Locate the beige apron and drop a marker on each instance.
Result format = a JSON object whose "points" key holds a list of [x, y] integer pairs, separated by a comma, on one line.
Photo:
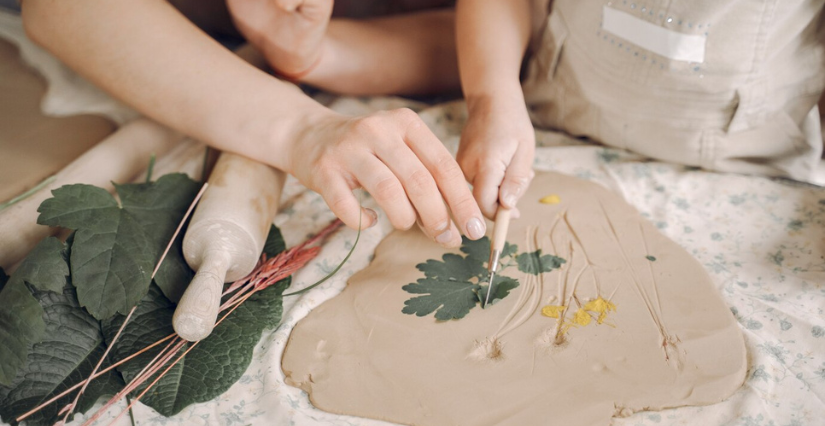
{"points": [[726, 85]]}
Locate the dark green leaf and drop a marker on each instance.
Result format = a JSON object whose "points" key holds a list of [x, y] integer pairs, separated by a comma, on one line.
{"points": [[212, 366], [535, 263], [477, 250], [21, 325], [76, 206], [448, 299], [274, 242], [450, 286], [71, 347], [115, 249], [160, 207], [174, 274], [45, 266], [111, 265], [509, 250], [650, 258], [501, 289], [452, 267], [21, 316]]}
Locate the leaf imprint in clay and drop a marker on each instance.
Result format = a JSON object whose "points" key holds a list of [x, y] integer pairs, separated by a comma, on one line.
{"points": [[591, 328]]}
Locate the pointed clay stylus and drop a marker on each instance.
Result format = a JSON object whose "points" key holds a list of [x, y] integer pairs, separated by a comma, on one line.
{"points": [[500, 227], [225, 237]]}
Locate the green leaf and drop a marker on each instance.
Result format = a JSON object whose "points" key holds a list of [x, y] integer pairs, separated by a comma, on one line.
{"points": [[448, 299], [535, 263], [45, 266], [21, 325], [452, 267], [509, 250], [650, 258], [274, 242], [75, 206], [71, 347], [21, 316], [477, 250], [116, 247], [502, 288], [450, 285], [212, 366], [161, 206]]}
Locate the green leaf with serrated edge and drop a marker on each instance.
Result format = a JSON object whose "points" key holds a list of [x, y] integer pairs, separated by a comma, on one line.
{"points": [[116, 248], [76, 206], [274, 242], [508, 250], [45, 266], [478, 250], [502, 288], [452, 267], [21, 317], [71, 347], [448, 299], [21, 325], [161, 206], [535, 263], [212, 366], [450, 285]]}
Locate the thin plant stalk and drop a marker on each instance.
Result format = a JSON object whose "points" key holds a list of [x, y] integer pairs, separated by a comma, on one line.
{"points": [[132, 311], [99, 373]]}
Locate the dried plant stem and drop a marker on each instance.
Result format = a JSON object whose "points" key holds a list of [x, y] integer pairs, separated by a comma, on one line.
{"points": [[267, 272], [129, 316], [97, 367], [100, 373]]}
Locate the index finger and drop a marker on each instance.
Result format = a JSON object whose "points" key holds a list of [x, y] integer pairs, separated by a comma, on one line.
{"points": [[448, 177]]}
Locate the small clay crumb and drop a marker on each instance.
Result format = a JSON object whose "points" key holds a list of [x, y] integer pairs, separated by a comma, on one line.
{"points": [[650, 258], [487, 349]]}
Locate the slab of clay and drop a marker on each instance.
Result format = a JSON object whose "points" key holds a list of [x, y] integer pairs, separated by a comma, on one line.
{"points": [[670, 342]]}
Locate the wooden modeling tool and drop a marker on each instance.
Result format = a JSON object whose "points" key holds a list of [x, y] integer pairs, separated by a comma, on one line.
{"points": [[226, 237], [500, 227]]}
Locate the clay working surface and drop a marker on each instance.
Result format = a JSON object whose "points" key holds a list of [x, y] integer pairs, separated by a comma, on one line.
{"points": [[629, 322]]}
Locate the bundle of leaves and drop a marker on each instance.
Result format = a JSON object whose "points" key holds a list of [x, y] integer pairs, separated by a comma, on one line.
{"points": [[455, 284], [60, 310]]}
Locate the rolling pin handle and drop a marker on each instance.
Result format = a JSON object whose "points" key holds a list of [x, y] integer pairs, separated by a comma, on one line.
{"points": [[197, 310]]}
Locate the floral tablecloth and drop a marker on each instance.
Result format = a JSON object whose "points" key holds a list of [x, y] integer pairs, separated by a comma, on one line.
{"points": [[762, 241]]}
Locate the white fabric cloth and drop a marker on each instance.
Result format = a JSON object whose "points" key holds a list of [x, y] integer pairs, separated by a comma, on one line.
{"points": [[68, 93]]}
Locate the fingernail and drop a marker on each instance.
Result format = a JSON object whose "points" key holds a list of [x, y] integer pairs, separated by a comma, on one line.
{"points": [[475, 228], [509, 200], [373, 217], [444, 237]]}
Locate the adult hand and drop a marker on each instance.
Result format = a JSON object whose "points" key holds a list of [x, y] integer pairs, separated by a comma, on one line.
{"points": [[397, 159], [496, 151], [288, 32]]}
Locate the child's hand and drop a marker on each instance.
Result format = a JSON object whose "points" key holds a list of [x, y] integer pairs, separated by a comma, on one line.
{"points": [[496, 151], [288, 32], [395, 157]]}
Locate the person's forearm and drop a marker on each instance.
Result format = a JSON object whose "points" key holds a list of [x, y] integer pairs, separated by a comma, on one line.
{"points": [[150, 56], [492, 36], [406, 54]]}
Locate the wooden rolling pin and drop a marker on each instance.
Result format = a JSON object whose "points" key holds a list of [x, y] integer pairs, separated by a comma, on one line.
{"points": [[225, 237]]}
